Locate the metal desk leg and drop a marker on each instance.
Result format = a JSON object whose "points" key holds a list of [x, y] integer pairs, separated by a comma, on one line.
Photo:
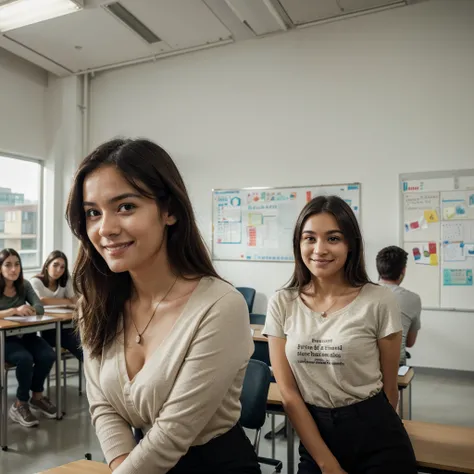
{"points": [[59, 414], [273, 437], [409, 401], [290, 447], [400, 403], [3, 394]]}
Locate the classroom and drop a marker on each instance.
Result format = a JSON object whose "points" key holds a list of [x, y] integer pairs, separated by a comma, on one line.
{"points": [[262, 105]]}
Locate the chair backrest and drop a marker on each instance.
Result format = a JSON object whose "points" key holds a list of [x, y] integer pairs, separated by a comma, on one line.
{"points": [[249, 295], [257, 318], [254, 395], [261, 352]]}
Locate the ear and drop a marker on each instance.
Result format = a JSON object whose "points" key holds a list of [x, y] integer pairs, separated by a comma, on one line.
{"points": [[169, 219]]}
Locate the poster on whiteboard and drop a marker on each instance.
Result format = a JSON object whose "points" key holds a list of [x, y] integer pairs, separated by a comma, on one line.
{"points": [[256, 224]]}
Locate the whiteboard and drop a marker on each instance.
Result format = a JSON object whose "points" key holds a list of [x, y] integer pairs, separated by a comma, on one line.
{"points": [[257, 224], [437, 231]]}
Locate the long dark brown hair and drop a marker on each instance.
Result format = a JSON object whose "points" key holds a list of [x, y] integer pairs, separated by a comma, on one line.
{"points": [[18, 284], [354, 269], [146, 166], [44, 275]]}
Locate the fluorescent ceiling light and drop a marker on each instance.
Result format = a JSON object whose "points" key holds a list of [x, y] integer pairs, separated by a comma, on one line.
{"points": [[18, 13]]}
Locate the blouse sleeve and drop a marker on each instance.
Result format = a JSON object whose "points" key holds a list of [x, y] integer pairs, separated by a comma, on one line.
{"points": [[32, 298], [389, 319]]}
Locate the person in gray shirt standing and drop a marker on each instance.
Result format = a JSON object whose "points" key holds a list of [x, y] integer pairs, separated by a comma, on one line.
{"points": [[391, 266]]}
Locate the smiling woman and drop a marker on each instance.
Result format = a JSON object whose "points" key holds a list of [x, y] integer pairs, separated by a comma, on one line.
{"points": [[156, 320], [350, 330]]}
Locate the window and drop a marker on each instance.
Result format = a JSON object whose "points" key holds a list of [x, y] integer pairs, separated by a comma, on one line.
{"points": [[20, 208]]}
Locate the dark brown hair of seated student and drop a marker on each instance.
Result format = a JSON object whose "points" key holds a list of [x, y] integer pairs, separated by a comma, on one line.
{"points": [[44, 275], [354, 269], [103, 293], [18, 284], [391, 261]]}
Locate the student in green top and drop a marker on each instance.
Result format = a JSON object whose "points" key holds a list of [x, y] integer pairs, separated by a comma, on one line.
{"points": [[31, 354]]}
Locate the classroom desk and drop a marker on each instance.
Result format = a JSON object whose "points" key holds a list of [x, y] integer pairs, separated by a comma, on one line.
{"points": [[12, 328], [257, 333], [442, 448], [80, 467]]}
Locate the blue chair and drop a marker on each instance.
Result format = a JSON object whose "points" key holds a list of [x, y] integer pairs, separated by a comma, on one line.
{"points": [[257, 318], [249, 295], [254, 405], [262, 354]]}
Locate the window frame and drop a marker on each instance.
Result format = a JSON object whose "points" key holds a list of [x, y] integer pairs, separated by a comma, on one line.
{"points": [[40, 224]]}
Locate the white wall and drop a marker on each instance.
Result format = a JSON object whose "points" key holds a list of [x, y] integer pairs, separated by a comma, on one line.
{"points": [[358, 100], [22, 107], [40, 118]]}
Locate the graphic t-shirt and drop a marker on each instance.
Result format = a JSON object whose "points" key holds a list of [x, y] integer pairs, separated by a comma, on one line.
{"points": [[335, 360]]}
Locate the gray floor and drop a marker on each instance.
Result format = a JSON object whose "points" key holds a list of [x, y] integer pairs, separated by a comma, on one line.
{"points": [[438, 397]]}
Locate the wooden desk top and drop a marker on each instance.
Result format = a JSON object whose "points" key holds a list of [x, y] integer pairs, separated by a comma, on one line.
{"points": [[257, 334], [404, 381], [6, 324], [80, 467], [442, 446]]}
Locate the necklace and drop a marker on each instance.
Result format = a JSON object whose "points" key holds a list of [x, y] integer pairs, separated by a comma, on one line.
{"points": [[138, 339], [324, 314]]}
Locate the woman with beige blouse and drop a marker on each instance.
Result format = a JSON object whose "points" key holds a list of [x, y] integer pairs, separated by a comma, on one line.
{"points": [[166, 341]]}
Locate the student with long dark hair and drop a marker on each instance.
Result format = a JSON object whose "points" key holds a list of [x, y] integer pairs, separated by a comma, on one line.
{"points": [[54, 287], [166, 340], [334, 346], [32, 356]]}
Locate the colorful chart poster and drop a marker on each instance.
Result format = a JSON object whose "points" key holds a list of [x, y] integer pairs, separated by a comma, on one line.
{"points": [[457, 277]]}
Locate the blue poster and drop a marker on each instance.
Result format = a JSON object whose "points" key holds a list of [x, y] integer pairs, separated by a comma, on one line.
{"points": [[457, 277]]}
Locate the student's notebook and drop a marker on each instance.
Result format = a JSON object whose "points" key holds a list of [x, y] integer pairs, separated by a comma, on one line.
{"points": [[402, 370]]}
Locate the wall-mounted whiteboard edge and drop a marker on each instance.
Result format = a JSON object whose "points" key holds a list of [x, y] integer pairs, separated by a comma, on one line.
{"points": [[455, 310], [214, 190]]}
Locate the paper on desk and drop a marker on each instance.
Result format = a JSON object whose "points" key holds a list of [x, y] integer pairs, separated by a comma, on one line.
{"points": [[28, 319], [403, 370]]}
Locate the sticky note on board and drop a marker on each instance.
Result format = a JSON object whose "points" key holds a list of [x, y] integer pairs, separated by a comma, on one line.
{"points": [[416, 253], [431, 216], [449, 212], [433, 259], [432, 248], [414, 225]]}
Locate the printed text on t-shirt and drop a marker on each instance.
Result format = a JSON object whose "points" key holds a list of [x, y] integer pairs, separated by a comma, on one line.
{"points": [[320, 351]]}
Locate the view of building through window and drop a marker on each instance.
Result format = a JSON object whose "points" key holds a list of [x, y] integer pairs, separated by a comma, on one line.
{"points": [[20, 188]]}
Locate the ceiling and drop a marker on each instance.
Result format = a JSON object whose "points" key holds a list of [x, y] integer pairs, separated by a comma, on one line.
{"points": [[95, 39]]}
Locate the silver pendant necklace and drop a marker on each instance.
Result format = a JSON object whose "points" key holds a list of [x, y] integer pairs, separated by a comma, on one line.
{"points": [[138, 338]]}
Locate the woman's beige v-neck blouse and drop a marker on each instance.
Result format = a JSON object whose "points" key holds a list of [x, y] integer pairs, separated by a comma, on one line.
{"points": [[187, 392]]}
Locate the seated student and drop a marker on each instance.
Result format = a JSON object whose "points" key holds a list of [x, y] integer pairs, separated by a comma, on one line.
{"points": [[334, 342], [166, 340], [391, 266], [54, 286], [32, 356]]}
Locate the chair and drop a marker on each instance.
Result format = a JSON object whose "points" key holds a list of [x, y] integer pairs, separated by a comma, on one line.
{"points": [[257, 318], [65, 356], [254, 405], [249, 295], [262, 354]]}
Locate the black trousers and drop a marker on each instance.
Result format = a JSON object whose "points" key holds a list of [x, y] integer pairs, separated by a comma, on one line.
{"points": [[230, 453], [366, 438]]}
